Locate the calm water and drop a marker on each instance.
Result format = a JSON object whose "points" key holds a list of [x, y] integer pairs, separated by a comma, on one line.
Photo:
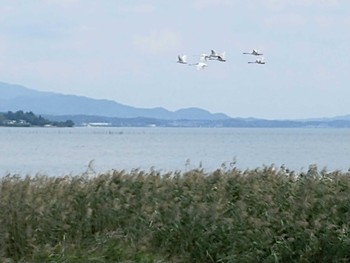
{"points": [[60, 151]]}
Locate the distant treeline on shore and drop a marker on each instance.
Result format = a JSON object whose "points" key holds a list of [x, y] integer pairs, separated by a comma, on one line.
{"points": [[27, 119], [86, 120]]}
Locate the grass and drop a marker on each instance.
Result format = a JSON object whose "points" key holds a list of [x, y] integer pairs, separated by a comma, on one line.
{"points": [[229, 215]]}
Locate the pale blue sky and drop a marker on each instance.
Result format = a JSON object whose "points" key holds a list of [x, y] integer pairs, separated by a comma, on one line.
{"points": [[127, 50]]}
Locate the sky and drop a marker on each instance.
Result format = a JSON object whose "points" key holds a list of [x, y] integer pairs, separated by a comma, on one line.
{"points": [[126, 51]]}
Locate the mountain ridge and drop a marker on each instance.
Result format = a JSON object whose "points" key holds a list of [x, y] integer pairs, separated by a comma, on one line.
{"points": [[84, 110], [15, 97]]}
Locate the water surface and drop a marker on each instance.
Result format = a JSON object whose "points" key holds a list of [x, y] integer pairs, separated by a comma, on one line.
{"points": [[60, 151]]}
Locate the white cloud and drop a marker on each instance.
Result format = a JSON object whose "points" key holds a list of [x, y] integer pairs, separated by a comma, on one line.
{"points": [[137, 9], [62, 3], [282, 4], [4, 47], [285, 20], [329, 22], [202, 4], [157, 41]]}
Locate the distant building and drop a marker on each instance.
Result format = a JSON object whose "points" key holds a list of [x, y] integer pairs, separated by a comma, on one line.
{"points": [[97, 124]]}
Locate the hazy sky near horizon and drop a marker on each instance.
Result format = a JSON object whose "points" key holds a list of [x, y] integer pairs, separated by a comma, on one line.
{"points": [[126, 51]]}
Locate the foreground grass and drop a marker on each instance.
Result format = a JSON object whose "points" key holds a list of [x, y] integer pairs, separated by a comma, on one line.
{"points": [[261, 215]]}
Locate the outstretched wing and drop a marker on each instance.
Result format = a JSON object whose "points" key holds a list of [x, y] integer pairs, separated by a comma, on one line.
{"points": [[213, 53], [204, 57], [222, 57], [182, 59], [201, 66]]}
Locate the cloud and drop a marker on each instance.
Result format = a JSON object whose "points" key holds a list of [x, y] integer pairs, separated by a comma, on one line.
{"points": [[137, 9], [282, 4], [203, 4], [157, 41], [332, 22], [4, 47], [62, 3], [285, 20]]}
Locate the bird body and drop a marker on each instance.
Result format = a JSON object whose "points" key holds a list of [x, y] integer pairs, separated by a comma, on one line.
{"points": [[254, 53], [258, 61]]}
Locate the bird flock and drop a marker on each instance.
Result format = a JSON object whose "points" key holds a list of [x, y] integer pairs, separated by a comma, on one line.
{"points": [[221, 57]]}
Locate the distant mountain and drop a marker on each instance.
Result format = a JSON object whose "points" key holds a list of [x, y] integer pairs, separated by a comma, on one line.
{"points": [[16, 97], [87, 111]]}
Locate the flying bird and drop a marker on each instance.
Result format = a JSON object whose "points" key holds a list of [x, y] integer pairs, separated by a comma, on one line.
{"points": [[216, 56], [182, 59], [258, 61], [202, 62], [254, 53], [201, 65]]}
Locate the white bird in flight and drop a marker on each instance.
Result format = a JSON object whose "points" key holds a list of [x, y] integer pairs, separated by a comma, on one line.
{"points": [[216, 56], [201, 64], [182, 59], [258, 61], [254, 53]]}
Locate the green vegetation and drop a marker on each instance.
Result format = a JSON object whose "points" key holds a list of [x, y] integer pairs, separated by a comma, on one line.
{"points": [[26, 119], [261, 215]]}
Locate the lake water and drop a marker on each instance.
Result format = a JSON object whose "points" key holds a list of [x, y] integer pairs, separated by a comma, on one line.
{"points": [[62, 151]]}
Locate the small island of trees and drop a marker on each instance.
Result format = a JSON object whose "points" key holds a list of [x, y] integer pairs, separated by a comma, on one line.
{"points": [[29, 119]]}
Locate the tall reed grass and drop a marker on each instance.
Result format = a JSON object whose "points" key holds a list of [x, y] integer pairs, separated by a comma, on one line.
{"points": [[229, 215]]}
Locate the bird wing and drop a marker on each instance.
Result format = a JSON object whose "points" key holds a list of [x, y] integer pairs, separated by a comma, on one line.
{"points": [[201, 65], [223, 56], [214, 53]]}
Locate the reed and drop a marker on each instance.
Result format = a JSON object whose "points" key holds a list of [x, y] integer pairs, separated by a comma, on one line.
{"points": [[267, 214]]}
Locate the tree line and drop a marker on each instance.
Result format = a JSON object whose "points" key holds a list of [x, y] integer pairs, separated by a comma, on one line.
{"points": [[27, 119]]}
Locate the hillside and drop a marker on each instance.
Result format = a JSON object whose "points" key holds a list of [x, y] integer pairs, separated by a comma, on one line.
{"points": [[16, 97], [85, 111]]}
